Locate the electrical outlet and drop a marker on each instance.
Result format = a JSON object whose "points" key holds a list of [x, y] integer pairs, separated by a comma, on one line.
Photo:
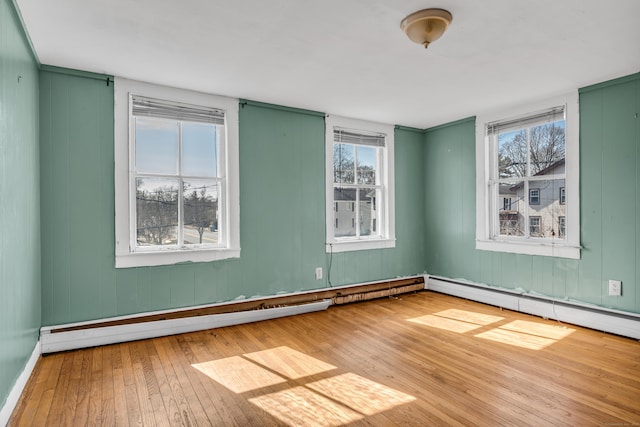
{"points": [[615, 288], [318, 273]]}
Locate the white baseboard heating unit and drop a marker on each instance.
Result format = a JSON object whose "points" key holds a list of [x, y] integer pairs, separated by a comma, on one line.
{"points": [[190, 319], [587, 315], [53, 341]]}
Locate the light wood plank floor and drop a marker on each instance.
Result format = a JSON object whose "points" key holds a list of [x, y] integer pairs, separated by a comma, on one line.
{"points": [[421, 359]]}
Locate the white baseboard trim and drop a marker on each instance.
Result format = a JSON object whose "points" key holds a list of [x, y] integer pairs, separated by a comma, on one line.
{"points": [[90, 337], [590, 316], [18, 387]]}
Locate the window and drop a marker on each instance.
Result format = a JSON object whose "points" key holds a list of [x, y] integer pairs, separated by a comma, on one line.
{"points": [[534, 226], [529, 154], [176, 156], [360, 174], [562, 226]]}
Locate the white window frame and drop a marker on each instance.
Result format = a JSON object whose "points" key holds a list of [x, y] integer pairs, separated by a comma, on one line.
{"points": [[126, 254], [563, 248], [387, 237]]}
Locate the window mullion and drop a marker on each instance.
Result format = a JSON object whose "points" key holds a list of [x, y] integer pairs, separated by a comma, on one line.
{"points": [[355, 164], [526, 198], [180, 189], [381, 213], [357, 188], [357, 212], [528, 156]]}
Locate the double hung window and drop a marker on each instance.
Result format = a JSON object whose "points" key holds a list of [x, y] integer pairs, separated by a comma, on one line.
{"points": [[530, 157], [178, 199], [359, 185]]}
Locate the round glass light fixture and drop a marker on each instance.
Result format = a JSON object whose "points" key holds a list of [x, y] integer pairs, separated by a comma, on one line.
{"points": [[426, 26]]}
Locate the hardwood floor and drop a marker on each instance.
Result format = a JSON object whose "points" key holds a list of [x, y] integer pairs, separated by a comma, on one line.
{"points": [[421, 359]]}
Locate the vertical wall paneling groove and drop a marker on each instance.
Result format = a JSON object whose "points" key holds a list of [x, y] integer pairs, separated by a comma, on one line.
{"points": [[609, 197], [637, 144], [19, 200]]}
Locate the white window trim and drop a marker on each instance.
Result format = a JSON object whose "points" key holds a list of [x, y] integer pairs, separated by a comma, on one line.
{"points": [[566, 248], [125, 257], [388, 232]]}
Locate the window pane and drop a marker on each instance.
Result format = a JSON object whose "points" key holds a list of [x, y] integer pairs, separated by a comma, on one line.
{"points": [[343, 167], [344, 217], [156, 211], [511, 208], [199, 149], [369, 212], [562, 227], [156, 146], [201, 211], [367, 161], [512, 154], [549, 208], [535, 226], [547, 147]]}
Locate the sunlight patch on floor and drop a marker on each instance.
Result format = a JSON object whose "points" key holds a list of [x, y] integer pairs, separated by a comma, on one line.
{"points": [[454, 320], [524, 334], [333, 401], [361, 394], [520, 333], [289, 362], [238, 374], [299, 406], [555, 332]]}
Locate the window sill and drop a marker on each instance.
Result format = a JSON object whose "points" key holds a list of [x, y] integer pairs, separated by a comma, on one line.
{"points": [[149, 259], [359, 245], [559, 250]]}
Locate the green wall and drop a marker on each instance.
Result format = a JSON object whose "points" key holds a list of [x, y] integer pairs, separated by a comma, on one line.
{"points": [[609, 207], [281, 212], [19, 198]]}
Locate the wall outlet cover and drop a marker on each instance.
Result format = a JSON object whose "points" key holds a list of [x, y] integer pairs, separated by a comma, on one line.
{"points": [[615, 288]]}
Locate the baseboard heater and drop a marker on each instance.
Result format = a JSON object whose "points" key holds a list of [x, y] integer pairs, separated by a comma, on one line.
{"points": [[587, 315], [171, 322]]}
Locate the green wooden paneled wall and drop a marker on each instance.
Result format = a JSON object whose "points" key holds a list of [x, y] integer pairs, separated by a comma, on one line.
{"points": [[609, 207], [19, 199], [281, 212]]}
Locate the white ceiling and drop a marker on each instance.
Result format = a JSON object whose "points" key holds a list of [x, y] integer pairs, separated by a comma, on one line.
{"points": [[346, 57]]}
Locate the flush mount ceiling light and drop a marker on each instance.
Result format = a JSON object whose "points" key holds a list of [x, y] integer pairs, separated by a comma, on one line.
{"points": [[426, 26]]}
